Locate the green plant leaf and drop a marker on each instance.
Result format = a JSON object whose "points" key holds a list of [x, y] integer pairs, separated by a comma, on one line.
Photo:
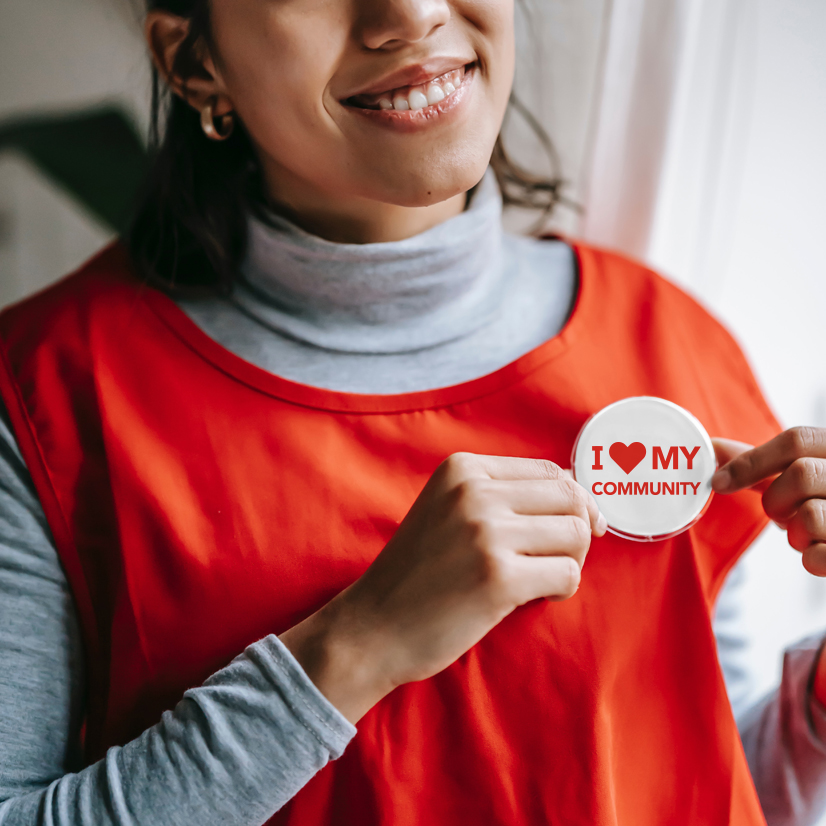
{"points": [[95, 155]]}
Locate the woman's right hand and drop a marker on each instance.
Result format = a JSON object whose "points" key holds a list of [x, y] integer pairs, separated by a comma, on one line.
{"points": [[485, 535]]}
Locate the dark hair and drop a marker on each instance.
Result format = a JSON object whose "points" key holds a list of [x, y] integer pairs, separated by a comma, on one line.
{"points": [[188, 232]]}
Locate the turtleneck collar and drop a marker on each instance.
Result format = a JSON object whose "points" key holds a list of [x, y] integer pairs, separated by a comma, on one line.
{"points": [[391, 297]]}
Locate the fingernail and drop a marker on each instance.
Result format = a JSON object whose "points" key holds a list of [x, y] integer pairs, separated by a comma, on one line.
{"points": [[721, 481], [602, 523]]}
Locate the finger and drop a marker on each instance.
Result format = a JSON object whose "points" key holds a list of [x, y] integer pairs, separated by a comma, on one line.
{"points": [[727, 449], [518, 467], [808, 525], [475, 465], [549, 536], [552, 577], [814, 559], [753, 466], [803, 479], [536, 497]]}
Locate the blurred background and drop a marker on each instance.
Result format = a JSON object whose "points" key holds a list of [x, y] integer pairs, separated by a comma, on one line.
{"points": [[692, 134]]}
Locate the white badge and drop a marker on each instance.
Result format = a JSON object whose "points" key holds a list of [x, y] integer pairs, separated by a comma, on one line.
{"points": [[648, 464]]}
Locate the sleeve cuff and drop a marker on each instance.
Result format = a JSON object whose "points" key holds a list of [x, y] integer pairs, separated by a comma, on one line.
{"points": [[313, 710]]}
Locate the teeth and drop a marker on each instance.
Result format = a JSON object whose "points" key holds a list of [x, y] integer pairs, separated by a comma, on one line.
{"points": [[434, 94], [417, 97]]}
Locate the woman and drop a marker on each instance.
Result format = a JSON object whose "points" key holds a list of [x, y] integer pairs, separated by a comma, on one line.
{"points": [[324, 485]]}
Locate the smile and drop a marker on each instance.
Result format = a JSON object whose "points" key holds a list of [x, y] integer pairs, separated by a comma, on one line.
{"points": [[416, 103]]}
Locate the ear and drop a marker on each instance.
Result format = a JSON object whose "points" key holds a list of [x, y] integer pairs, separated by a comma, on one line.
{"points": [[195, 78]]}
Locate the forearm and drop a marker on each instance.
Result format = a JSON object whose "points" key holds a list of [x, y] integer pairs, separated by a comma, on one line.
{"points": [[231, 753]]}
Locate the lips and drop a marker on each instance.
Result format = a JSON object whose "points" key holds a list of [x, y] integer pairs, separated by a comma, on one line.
{"points": [[418, 74], [406, 98]]}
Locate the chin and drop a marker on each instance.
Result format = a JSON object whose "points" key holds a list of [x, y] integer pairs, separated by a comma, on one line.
{"points": [[415, 188]]}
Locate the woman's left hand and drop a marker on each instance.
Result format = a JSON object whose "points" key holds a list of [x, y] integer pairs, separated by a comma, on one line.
{"points": [[790, 469]]}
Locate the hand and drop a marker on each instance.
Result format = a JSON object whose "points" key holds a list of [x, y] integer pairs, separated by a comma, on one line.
{"points": [[486, 534], [790, 469]]}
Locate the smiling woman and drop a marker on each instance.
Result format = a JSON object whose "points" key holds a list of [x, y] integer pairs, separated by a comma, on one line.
{"points": [[309, 145], [292, 459]]}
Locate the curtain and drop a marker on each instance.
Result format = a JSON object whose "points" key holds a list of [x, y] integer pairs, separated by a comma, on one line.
{"points": [[662, 177]]}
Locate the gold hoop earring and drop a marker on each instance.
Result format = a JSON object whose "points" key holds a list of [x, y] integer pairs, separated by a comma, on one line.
{"points": [[208, 124]]}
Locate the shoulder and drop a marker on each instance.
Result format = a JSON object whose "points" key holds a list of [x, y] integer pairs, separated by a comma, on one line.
{"points": [[654, 310], [678, 338], [70, 306], [650, 298]]}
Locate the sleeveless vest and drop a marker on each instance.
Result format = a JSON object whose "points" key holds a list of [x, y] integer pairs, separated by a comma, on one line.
{"points": [[199, 503]]}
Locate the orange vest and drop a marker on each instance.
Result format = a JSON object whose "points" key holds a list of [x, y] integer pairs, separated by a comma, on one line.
{"points": [[199, 503]]}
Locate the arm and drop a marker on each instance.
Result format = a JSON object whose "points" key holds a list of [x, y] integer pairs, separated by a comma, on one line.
{"points": [[232, 751], [784, 732]]}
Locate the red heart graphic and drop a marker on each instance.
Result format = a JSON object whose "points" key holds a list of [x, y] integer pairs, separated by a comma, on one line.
{"points": [[627, 456]]}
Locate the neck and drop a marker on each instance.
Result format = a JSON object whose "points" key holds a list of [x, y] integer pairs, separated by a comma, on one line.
{"points": [[352, 220], [383, 297]]}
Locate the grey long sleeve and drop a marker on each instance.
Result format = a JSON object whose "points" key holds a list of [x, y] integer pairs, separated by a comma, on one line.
{"points": [[232, 751]]}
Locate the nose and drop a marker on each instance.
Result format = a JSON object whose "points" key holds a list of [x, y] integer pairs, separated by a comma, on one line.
{"points": [[387, 24]]}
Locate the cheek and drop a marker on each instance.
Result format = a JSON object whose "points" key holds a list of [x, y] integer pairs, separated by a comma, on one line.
{"points": [[276, 65], [493, 20]]}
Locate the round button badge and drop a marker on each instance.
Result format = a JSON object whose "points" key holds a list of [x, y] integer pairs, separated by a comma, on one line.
{"points": [[648, 463]]}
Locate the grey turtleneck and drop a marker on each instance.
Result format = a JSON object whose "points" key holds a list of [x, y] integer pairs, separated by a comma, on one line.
{"points": [[448, 305]]}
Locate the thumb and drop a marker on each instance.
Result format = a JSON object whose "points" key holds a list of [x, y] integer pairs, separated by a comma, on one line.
{"points": [[727, 449]]}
